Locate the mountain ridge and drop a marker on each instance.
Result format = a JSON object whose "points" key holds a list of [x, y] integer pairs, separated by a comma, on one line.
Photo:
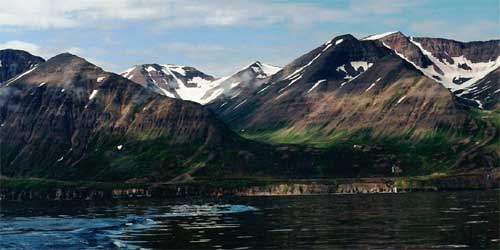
{"points": [[347, 107], [457, 65]]}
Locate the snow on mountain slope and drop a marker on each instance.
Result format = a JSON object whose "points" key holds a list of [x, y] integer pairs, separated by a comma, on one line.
{"points": [[248, 78], [188, 83], [378, 36], [459, 66], [174, 81], [14, 62], [342, 86], [461, 73]]}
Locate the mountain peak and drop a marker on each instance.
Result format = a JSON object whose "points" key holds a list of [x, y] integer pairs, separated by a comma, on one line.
{"points": [[18, 51], [341, 38], [14, 62], [66, 60], [346, 36], [65, 71]]}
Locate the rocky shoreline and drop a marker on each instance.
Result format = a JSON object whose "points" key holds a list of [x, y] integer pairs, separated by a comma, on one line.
{"points": [[469, 181]]}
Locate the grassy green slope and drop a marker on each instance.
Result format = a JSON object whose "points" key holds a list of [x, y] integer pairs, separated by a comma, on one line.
{"points": [[437, 151]]}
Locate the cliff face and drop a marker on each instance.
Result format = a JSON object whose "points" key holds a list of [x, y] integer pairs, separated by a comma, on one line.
{"points": [[15, 62], [478, 180], [445, 49]]}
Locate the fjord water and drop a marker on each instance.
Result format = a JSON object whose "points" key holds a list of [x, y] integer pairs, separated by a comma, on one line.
{"points": [[468, 220]]}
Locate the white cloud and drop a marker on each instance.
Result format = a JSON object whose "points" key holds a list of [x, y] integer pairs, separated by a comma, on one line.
{"points": [[48, 52], [35, 49], [176, 13], [21, 45]]}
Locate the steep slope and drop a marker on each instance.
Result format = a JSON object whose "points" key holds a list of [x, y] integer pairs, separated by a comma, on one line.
{"points": [[68, 119], [14, 62], [240, 83], [344, 84], [458, 66], [359, 96], [174, 81], [485, 92], [188, 83]]}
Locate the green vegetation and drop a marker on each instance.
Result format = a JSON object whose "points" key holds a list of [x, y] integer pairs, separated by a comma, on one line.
{"points": [[135, 159], [47, 184], [423, 154]]}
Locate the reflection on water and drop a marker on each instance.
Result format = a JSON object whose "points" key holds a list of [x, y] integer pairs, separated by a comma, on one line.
{"points": [[412, 220]]}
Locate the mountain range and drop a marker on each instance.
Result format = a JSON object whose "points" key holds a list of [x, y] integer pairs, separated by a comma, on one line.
{"points": [[350, 107]]}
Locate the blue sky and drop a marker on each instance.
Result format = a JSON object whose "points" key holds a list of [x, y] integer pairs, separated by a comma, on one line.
{"points": [[219, 37]]}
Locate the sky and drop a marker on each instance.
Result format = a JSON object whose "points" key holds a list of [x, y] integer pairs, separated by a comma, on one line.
{"points": [[219, 37]]}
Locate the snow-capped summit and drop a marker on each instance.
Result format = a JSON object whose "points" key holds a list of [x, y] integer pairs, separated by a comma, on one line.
{"points": [[263, 70], [246, 79], [188, 83], [174, 81]]}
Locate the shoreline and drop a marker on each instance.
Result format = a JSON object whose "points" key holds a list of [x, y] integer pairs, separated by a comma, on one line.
{"points": [[483, 180]]}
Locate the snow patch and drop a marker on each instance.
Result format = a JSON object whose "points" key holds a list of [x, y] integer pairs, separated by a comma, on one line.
{"points": [[99, 79], [234, 84], [262, 90], [127, 72], [269, 69], [339, 41], [400, 100], [342, 68], [41, 84], [452, 71], [19, 76], [296, 72], [378, 36], [327, 47], [316, 85], [361, 64], [177, 69], [373, 84], [356, 65], [150, 69], [239, 104], [93, 94]]}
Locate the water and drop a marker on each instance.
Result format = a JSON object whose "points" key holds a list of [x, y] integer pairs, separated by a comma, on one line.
{"points": [[468, 220]]}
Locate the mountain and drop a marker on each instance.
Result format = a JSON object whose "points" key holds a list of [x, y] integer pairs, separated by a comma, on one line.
{"points": [[347, 108], [68, 119], [244, 80], [14, 62], [188, 83], [360, 94], [344, 84], [174, 81], [466, 68]]}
